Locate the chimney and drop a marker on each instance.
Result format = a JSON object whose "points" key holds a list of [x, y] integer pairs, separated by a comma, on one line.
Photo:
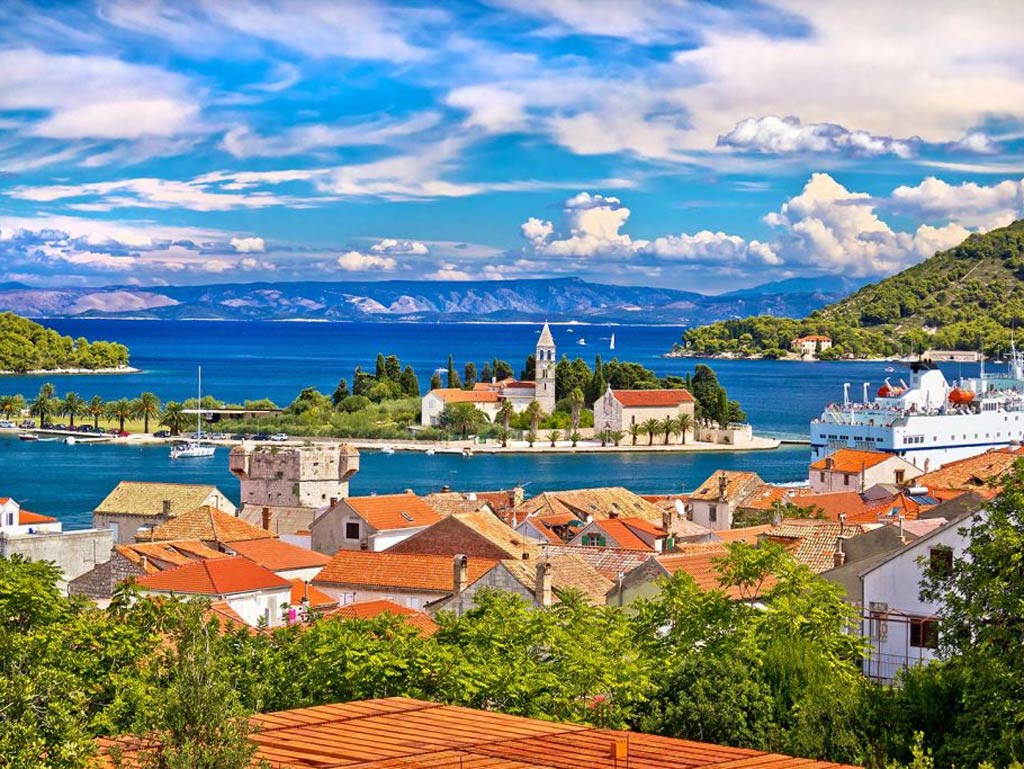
{"points": [[167, 508], [722, 483], [460, 574], [903, 539], [543, 587], [305, 593], [830, 463], [842, 523], [839, 557], [518, 496], [666, 521], [266, 518], [334, 501], [144, 563]]}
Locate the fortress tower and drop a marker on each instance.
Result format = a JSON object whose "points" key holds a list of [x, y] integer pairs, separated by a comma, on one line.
{"points": [[545, 370]]}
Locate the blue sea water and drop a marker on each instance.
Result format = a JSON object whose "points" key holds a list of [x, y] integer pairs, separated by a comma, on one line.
{"points": [[246, 360]]}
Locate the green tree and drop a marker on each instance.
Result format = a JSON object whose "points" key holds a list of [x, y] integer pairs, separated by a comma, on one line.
{"points": [[462, 418], [435, 381], [505, 413], [409, 383], [122, 409], [97, 407], [71, 405], [534, 412], [11, 406], [575, 437], [616, 436], [453, 377], [576, 401], [42, 408], [684, 424], [380, 369], [147, 407], [635, 431], [669, 426], [470, 375], [651, 427], [596, 386], [340, 392], [173, 418], [554, 436]]}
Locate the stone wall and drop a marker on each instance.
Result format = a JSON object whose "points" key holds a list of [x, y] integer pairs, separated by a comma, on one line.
{"points": [[74, 552], [98, 583]]}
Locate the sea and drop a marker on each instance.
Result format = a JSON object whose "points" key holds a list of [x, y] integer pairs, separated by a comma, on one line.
{"points": [[250, 359]]}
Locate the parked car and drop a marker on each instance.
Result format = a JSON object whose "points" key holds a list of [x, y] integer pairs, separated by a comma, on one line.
{"points": [[279, 437], [162, 434], [261, 437], [27, 424], [239, 437], [6, 424]]}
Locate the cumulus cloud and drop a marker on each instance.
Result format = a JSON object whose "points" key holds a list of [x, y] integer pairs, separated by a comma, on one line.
{"points": [[968, 203], [448, 271], [834, 230], [777, 135], [404, 247], [714, 248], [490, 107], [248, 245], [356, 261]]}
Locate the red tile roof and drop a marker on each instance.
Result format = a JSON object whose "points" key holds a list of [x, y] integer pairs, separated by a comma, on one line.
{"points": [[702, 565], [851, 460], [434, 573], [402, 733], [276, 555], [394, 511], [208, 524], [748, 534], [221, 576], [652, 398], [371, 609], [623, 535], [318, 599], [453, 395], [25, 518]]}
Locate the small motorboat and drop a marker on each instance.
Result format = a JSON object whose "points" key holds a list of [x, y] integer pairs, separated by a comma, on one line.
{"points": [[431, 452], [889, 369], [70, 440], [467, 451], [581, 341], [28, 437], [387, 449]]}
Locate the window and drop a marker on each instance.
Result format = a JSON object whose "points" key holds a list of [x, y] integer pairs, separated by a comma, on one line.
{"points": [[351, 529], [878, 627], [940, 561], [846, 479], [712, 513], [924, 633], [592, 539], [821, 477]]}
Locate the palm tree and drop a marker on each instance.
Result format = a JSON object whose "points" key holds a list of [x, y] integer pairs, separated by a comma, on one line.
{"points": [[11, 405], [148, 405], [531, 437], [575, 437], [603, 436], [668, 426], [684, 423], [48, 390], [503, 436], [553, 436], [120, 410], [174, 417], [505, 412], [96, 409], [461, 417], [616, 436], [576, 402], [534, 411], [72, 406], [635, 431], [41, 407], [651, 427]]}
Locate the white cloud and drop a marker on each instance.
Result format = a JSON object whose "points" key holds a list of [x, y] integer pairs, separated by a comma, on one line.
{"points": [[392, 246], [777, 135], [490, 107], [355, 261], [711, 248], [834, 230], [248, 245], [644, 21], [969, 203], [447, 271]]}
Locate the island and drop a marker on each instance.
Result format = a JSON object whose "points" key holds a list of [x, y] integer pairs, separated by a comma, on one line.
{"points": [[27, 347]]}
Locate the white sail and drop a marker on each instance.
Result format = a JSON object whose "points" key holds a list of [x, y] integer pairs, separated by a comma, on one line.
{"points": [[611, 345]]}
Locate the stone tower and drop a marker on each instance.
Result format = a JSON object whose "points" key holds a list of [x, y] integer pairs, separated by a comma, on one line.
{"points": [[545, 370], [284, 486]]}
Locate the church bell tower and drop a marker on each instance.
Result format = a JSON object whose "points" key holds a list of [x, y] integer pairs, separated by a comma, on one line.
{"points": [[545, 370]]}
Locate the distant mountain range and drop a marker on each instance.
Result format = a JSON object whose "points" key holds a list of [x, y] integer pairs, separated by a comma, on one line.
{"points": [[556, 299]]}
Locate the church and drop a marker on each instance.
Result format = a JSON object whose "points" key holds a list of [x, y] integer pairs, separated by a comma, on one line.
{"points": [[488, 396]]}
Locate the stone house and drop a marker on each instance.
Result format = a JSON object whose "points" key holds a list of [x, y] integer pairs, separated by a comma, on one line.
{"points": [[811, 345], [856, 470], [715, 502], [371, 523], [628, 533], [285, 560], [133, 505], [206, 524], [477, 535], [284, 487], [619, 409]]}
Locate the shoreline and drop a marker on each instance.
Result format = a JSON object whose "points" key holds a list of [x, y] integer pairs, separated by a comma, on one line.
{"points": [[786, 359], [74, 371]]}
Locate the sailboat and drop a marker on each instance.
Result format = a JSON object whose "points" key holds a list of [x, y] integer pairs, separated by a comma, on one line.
{"points": [[195, 448], [611, 344]]}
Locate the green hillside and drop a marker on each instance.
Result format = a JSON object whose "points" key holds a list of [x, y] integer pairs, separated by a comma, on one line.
{"points": [[967, 298], [27, 346]]}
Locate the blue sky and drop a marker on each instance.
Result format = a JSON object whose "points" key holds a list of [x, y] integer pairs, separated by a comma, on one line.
{"points": [[703, 146]]}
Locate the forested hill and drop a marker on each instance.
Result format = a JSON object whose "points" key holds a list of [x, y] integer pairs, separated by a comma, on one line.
{"points": [[967, 298], [27, 346]]}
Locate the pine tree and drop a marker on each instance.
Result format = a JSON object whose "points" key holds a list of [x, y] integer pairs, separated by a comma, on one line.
{"points": [[435, 381], [470, 372], [453, 377], [410, 384], [340, 392], [380, 371]]}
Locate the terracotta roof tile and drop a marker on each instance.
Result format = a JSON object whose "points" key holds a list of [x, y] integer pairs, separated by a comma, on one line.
{"points": [[852, 460], [812, 542], [738, 485], [972, 473], [568, 572], [453, 395], [221, 576], [451, 502], [25, 518], [318, 599], [748, 534], [652, 398], [702, 566], [623, 534], [401, 733], [227, 619], [397, 570], [600, 502], [371, 609], [147, 498], [162, 555], [276, 555], [394, 511], [608, 561], [208, 524]]}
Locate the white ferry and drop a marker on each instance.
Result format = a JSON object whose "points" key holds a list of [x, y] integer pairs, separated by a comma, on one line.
{"points": [[928, 421]]}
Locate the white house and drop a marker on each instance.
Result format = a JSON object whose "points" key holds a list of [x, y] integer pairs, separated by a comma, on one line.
{"points": [[618, 409], [856, 470], [371, 523], [14, 521], [433, 403], [809, 346], [902, 627], [715, 502]]}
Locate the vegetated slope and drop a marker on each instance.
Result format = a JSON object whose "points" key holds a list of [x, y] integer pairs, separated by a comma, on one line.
{"points": [[969, 297], [560, 299], [27, 346]]}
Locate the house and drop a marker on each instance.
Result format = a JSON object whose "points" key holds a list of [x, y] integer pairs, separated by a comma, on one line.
{"points": [[856, 470], [412, 580], [283, 488], [715, 502], [402, 732], [477, 535], [284, 559], [557, 528], [254, 593], [610, 562], [135, 504], [817, 544], [206, 524], [809, 346], [603, 502], [434, 402], [629, 533], [371, 523], [367, 610], [449, 503], [38, 537], [700, 562], [542, 582], [980, 473], [901, 627], [619, 409]]}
